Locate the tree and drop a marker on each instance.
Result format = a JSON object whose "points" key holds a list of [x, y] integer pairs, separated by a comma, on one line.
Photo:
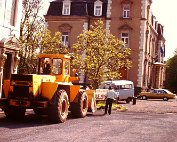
{"points": [[100, 55], [171, 74], [35, 37]]}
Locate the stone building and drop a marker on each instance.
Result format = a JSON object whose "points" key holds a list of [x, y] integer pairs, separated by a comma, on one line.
{"points": [[10, 14], [130, 20]]}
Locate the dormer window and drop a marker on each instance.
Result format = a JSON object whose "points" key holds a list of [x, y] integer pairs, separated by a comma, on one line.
{"points": [[98, 8], [66, 7], [126, 9]]}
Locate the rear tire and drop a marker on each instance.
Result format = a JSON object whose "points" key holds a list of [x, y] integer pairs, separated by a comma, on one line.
{"points": [[58, 111], [79, 110]]}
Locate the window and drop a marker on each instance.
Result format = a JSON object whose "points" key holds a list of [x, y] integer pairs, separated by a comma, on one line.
{"points": [[125, 38], [66, 67], [66, 7], [65, 29], [57, 66], [98, 8], [126, 11], [65, 38], [46, 66], [97, 11]]}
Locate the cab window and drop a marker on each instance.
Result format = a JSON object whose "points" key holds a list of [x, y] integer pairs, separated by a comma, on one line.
{"points": [[66, 67], [57, 66]]}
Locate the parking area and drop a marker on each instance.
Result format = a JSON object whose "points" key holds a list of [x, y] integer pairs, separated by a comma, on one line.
{"points": [[152, 106]]}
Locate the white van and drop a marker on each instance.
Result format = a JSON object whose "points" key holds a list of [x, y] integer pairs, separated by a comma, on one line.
{"points": [[124, 88]]}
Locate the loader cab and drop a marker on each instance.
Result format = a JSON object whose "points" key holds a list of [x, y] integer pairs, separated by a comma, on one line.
{"points": [[54, 64]]}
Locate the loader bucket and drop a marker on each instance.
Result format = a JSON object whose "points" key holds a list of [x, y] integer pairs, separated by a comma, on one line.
{"points": [[91, 100]]}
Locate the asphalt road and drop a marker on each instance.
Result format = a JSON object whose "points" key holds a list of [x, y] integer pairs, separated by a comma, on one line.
{"points": [[147, 121]]}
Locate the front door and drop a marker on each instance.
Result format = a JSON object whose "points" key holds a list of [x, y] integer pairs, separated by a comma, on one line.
{"points": [[7, 67]]}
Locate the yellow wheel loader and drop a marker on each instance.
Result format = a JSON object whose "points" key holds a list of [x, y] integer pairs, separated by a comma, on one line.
{"points": [[49, 92]]}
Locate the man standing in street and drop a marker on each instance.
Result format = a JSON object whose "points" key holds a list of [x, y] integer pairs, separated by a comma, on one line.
{"points": [[111, 95]]}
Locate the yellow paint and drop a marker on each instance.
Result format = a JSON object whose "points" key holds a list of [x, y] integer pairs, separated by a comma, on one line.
{"points": [[90, 94], [48, 89], [37, 81], [71, 79], [74, 91], [36, 85], [59, 78]]}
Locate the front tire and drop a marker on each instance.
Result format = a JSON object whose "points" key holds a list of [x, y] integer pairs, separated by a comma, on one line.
{"points": [[58, 111]]}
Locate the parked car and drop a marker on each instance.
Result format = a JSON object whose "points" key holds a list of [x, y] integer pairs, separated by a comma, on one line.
{"points": [[157, 94]]}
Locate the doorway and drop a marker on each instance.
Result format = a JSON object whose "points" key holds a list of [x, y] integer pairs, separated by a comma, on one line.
{"points": [[7, 67]]}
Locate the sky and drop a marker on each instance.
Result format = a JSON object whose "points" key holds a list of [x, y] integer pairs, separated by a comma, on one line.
{"points": [[165, 12]]}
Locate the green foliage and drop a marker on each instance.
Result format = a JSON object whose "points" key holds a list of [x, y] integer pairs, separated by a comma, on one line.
{"points": [[171, 74], [100, 55], [48, 43]]}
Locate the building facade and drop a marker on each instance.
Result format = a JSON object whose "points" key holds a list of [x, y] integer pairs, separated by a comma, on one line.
{"points": [[10, 15], [129, 20]]}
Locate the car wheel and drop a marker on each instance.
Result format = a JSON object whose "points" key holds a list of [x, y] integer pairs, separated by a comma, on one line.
{"points": [[144, 98], [128, 100], [165, 99]]}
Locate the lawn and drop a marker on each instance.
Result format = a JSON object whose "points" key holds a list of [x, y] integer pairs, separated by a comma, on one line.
{"points": [[115, 106]]}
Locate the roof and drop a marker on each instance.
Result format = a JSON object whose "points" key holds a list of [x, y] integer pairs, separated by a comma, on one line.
{"points": [[78, 8]]}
